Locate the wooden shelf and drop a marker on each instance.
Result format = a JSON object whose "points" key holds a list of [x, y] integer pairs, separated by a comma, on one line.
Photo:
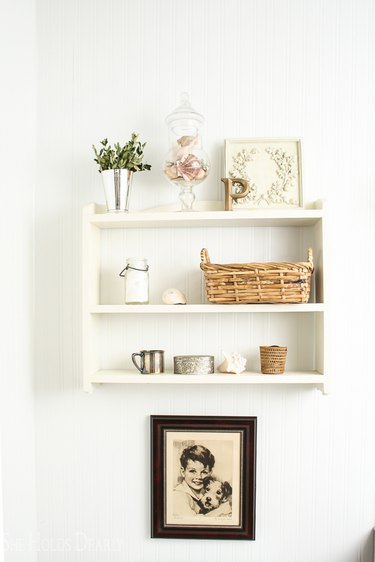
{"points": [[97, 216], [129, 377], [203, 308], [307, 332]]}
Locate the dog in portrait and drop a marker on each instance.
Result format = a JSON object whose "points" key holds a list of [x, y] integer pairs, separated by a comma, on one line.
{"points": [[215, 493]]}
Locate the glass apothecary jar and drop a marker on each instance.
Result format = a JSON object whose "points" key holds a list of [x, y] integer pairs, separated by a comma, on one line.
{"points": [[136, 281], [187, 164]]}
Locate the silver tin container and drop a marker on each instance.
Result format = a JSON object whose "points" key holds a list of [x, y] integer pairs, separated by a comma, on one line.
{"points": [[193, 364]]}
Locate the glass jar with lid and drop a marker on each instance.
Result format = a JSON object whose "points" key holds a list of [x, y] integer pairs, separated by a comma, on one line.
{"points": [[136, 281], [186, 164]]}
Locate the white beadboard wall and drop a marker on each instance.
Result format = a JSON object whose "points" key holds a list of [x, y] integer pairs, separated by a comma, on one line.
{"points": [[17, 184], [254, 68]]}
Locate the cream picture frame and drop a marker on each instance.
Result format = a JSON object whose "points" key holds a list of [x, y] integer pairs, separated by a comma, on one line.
{"points": [[271, 166]]}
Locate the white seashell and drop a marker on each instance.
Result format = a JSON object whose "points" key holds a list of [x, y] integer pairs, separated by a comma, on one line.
{"points": [[173, 296], [233, 363]]}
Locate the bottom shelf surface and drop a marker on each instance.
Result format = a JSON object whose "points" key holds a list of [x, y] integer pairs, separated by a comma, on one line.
{"points": [[129, 377]]}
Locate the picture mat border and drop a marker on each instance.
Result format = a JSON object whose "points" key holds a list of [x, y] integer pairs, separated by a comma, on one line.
{"points": [[236, 438]]}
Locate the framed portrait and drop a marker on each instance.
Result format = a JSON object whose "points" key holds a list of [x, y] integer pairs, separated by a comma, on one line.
{"points": [[203, 473], [272, 169]]}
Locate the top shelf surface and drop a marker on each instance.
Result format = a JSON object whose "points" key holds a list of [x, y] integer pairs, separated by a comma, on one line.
{"points": [[97, 216]]}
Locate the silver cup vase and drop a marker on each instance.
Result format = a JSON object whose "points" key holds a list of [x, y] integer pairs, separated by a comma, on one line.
{"points": [[117, 188]]}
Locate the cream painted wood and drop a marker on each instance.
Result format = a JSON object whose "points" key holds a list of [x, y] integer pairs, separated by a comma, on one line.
{"points": [[205, 308], [108, 343], [170, 218], [90, 291], [128, 377]]}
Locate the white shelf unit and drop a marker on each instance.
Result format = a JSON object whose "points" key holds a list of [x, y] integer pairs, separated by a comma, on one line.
{"points": [[112, 331]]}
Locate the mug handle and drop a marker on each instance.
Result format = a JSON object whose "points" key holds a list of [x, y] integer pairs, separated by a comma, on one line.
{"points": [[142, 356]]}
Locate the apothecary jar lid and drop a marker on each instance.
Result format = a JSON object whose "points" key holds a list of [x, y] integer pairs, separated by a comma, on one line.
{"points": [[184, 113]]}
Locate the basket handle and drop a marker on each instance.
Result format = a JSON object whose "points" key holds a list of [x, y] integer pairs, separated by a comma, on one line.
{"points": [[310, 257], [205, 258]]}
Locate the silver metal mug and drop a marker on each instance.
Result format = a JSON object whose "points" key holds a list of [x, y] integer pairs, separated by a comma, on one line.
{"points": [[151, 361]]}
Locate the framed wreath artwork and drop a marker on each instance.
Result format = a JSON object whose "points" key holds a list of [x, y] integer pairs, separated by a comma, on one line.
{"points": [[203, 472], [272, 169]]}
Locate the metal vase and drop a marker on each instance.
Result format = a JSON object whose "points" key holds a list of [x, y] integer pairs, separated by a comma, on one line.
{"points": [[117, 188]]}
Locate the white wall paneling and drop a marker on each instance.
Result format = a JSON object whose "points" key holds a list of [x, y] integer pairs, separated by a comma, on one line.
{"points": [[17, 148], [254, 68]]}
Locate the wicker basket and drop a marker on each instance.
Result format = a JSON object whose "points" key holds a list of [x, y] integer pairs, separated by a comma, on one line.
{"points": [[272, 359], [243, 283]]}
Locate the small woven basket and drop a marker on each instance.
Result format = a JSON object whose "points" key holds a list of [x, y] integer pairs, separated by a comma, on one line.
{"points": [[272, 359], [245, 283]]}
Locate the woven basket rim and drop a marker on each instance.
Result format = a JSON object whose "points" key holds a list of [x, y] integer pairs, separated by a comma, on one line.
{"points": [[273, 348], [207, 264]]}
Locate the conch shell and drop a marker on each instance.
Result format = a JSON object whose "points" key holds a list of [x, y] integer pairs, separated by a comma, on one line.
{"points": [[233, 363]]}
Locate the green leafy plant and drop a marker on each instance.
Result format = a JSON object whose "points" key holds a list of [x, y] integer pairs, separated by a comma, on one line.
{"points": [[127, 157]]}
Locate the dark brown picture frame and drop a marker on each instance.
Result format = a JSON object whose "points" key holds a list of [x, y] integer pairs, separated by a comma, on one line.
{"points": [[170, 432]]}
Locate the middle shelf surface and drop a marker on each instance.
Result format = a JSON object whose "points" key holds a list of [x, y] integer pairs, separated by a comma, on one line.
{"points": [[202, 308]]}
